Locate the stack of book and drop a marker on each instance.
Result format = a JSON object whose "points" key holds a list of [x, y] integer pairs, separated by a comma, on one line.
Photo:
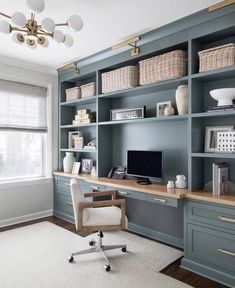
{"points": [[220, 178], [83, 116], [221, 108]]}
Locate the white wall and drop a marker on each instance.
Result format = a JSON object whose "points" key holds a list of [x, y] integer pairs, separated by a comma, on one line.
{"points": [[23, 201]]}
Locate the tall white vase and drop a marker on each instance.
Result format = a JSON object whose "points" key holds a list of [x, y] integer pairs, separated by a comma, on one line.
{"points": [[68, 161], [181, 96]]}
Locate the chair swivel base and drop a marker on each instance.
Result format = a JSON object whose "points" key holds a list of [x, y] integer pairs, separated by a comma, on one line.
{"points": [[98, 247]]}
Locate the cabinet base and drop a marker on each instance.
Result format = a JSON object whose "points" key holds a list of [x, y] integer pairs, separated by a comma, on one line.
{"points": [[204, 270]]}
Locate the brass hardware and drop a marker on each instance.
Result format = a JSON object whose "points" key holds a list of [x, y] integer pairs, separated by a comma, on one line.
{"points": [[162, 201], [72, 65], [131, 42], [226, 252], [95, 188], [231, 220], [220, 5], [70, 204], [122, 193], [5, 15]]}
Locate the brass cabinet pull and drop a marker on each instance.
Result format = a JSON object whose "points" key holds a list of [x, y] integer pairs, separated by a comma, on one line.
{"points": [[231, 220], [122, 193], [67, 184], [162, 201], [68, 203], [226, 252]]}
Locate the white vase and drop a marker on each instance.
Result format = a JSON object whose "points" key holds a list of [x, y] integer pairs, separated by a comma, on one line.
{"points": [[181, 96], [68, 161]]}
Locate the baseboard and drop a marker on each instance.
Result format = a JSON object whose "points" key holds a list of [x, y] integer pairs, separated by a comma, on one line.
{"points": [[25, 218]]}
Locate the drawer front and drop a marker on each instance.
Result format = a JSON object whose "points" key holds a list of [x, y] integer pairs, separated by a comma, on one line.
{"points": [[128, 193], [223, 217], [167, 201], [211, 247], [64, 204], [62, 184]]}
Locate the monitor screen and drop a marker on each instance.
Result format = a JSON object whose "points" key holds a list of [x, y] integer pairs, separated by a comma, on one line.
{"points": [[145, 164]]}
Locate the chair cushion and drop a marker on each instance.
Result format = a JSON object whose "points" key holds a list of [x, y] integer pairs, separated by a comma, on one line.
{"points": [[102, 216]]}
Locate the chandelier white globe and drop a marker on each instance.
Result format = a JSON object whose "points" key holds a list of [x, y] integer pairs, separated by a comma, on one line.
{"points": [[31, 33]]}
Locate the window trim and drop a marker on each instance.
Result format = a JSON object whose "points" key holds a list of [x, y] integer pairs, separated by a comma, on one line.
{"points": [[47, 161]]}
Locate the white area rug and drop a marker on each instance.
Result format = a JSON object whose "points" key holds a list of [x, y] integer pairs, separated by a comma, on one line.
{"points": [[35, 256]]}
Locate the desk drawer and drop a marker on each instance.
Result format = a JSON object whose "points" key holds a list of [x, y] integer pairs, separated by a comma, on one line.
{"points": [[167, 201], [64, 204], [211, 247], [219, 216], [128, 193], [62, 184]]}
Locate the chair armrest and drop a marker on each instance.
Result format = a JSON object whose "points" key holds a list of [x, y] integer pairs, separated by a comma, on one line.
{"points": [[101, 193]]}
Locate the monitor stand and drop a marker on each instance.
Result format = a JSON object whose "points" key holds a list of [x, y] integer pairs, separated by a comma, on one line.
{"points": [[143, 181]]}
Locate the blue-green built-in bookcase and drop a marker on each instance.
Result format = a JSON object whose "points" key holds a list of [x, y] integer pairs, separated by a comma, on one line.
{"points": [[181, 138]]}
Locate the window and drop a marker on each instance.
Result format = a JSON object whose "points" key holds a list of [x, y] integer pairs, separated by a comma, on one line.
{"points": [[23, 131]]}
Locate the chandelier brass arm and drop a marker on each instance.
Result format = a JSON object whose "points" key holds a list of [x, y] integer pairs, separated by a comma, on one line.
{"points": [[5, 15]]}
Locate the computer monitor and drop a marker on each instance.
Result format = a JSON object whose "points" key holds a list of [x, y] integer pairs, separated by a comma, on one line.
{"points": [[145, 165]]}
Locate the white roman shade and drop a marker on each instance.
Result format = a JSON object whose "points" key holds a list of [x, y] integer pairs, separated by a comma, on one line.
{"points": [[22, 106]]}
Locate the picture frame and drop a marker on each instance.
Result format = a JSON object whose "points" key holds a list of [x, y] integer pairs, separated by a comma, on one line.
{"points": [[87, 165], [71, 138], [211, 136], [76, 167], [160, 107]]}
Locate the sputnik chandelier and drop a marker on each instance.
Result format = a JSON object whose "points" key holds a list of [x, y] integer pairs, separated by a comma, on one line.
{"points": [[31, 33]]}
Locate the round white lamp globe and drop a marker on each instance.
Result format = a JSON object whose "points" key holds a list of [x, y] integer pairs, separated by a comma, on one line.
{"points": [[36, 6], [18, 19], [5, 27], [58, 36], [75, 23], [32, 44], [48, 25], [18, 38], [45, 44], [68, 41]]}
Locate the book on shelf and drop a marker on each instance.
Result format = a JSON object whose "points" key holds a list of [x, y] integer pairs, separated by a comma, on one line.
{"points": [[219, 178], [221, 108]]}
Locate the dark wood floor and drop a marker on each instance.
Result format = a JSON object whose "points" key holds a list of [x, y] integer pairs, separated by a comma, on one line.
{"points": [[172, 270]]}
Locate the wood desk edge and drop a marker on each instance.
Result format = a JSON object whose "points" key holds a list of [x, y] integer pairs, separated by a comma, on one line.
{"points": [[154, 189]]}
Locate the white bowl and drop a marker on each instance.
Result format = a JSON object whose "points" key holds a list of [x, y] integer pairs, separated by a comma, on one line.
{"points": [[224, 96]]}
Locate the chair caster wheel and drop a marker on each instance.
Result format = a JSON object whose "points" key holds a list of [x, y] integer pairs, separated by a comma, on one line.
{"points": [[71, 259], [92, 243], [123, 249], [107, 268]]}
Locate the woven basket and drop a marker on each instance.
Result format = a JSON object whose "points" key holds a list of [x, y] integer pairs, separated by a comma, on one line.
{"points": [[217, 57], [119, 79], [88, 90], [73, 93], [163, 67]]}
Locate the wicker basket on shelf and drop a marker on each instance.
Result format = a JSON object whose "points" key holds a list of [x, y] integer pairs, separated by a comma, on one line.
{"points": [[88, 90], [163, 67], [73, 93], [217, 57], [122, 78]]}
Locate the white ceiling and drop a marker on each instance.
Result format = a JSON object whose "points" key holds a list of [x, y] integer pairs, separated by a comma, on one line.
{"points": [[106, 22]]}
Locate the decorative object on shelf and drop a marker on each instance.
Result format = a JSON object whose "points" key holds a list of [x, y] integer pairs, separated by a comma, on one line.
{"points": [[122, 78], [127, 114], [31, 33], [181, 97], [91, 145], [78, 142], [221, 108], [226, 141], [180, 181], [169, 110], [131, 42], [73, 93], [219, 178], [170, 184], [93, 171], [76, 167], [71, 138], [161, 106], [224, 96], [211, 136], [87, 165], [83, 116], [163, 67], [88, 90], [68, 161], [217, 57]]}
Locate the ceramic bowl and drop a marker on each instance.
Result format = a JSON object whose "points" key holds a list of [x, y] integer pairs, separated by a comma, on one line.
{"points": [[224, 96]]}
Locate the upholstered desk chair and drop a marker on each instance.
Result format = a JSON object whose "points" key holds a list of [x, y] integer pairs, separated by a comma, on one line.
{"points": [[97, 216]]}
